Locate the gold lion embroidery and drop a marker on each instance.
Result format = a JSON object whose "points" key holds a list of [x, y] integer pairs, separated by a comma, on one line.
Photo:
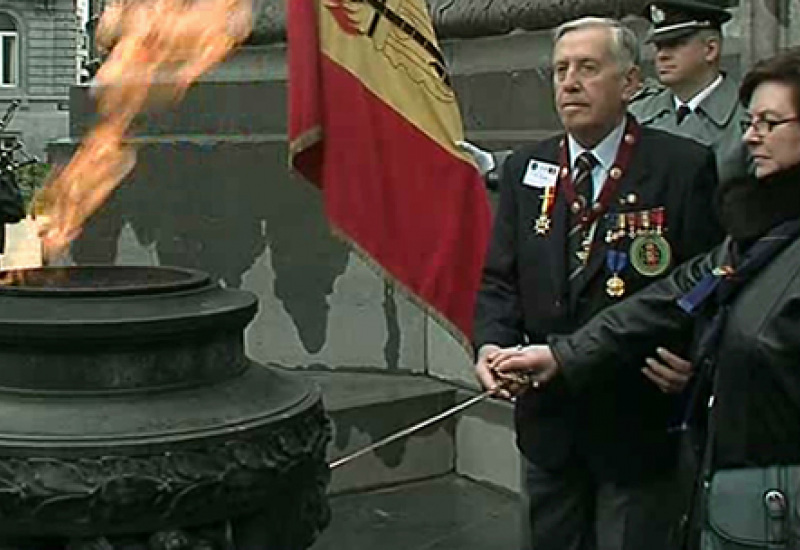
{"points": [[402, 32]]}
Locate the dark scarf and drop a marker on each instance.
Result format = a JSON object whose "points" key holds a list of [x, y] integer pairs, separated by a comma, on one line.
{"points": [[762, 217], [750, 207]]}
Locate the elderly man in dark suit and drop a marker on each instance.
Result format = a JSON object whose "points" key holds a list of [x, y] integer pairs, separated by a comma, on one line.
{"points": [[583, 220]]}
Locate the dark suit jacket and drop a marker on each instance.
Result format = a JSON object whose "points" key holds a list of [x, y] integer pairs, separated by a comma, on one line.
{"points": [[617, 425]]}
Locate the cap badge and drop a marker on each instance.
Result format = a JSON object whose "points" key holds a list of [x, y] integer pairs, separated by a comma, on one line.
{"points": [[657, 15]]}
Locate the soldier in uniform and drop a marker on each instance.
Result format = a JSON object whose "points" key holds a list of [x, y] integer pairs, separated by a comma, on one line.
{"points": [[696, 99]]}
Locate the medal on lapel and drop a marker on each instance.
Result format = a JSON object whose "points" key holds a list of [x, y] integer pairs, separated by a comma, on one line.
{"points": [[585, 247], [633, 224], [542, 223], [616, 259], [650, 252], [542, 175], [644, 223], [618, 232]]}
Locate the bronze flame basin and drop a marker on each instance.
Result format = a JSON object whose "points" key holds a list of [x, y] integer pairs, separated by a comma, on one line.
{"points": [[128, 405]]}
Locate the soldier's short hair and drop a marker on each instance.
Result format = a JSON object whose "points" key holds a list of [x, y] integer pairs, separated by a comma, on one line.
{"points": [[705, 34], [624, 44]]}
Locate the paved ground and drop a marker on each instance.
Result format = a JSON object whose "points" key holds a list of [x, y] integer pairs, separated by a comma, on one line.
{"points": [[449, 513]]}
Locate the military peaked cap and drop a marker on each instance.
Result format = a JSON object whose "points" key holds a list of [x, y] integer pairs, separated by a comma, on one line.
{"points": [[673, 19]]}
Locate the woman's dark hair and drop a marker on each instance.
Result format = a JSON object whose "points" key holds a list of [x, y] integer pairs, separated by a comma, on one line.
{"points": [[783, 67]]}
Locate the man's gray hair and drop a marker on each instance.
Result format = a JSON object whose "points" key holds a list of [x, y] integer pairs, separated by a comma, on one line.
{"points": [[624, 43]]}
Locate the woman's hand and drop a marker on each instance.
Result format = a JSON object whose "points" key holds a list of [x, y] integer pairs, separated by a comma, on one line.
{"points": [[669, 372], [511, 371], [535, 362]]}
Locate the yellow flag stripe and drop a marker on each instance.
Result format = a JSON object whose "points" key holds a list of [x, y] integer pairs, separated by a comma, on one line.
{"points": [[396, 69]]}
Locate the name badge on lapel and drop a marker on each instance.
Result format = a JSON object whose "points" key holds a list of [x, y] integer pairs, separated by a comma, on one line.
{"points": [[540, 174]]}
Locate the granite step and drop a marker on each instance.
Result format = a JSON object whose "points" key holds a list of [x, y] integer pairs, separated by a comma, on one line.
{"points": [[366, 407]]}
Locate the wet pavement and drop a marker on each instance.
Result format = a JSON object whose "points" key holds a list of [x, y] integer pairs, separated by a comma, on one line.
{"points": [[447, 513]]}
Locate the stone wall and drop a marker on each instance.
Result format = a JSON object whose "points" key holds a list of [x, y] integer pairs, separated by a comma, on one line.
{"points": [[766, 27], [212, 190]]}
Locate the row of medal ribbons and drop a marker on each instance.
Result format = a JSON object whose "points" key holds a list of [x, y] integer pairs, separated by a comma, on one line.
{"points": [[649, 252]]}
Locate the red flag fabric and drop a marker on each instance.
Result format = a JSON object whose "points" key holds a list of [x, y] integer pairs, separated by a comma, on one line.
{"points": [[373, 122]]}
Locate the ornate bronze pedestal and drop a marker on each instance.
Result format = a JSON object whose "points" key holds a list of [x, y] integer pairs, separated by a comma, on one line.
{"points": [[131, 418]]}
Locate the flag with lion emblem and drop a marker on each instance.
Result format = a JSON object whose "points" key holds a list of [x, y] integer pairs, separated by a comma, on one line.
{"points": [[373, 122]]}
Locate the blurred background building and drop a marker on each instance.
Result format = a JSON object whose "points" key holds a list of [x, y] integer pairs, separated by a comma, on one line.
{"points": [[39, 61]]}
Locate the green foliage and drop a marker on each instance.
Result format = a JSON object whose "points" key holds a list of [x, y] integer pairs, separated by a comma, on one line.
{"points": [[31, 178]]}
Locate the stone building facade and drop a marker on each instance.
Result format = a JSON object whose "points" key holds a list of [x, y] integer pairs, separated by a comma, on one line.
{"points": [[38, 42]]}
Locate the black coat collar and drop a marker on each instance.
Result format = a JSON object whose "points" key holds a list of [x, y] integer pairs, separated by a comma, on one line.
{"points": [[750, 207]]}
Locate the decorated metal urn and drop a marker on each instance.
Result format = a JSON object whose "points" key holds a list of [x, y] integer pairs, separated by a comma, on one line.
{"points": [[130, 417]]}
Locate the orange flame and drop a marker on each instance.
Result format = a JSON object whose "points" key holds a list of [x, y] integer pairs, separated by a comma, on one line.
{"points": [[168, 43]]}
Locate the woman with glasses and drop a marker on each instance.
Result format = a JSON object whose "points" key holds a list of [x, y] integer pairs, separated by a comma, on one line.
{"points": [[739, 309]]}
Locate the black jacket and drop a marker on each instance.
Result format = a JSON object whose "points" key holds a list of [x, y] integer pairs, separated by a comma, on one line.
{"points": [[618, 426], [757, 403]]}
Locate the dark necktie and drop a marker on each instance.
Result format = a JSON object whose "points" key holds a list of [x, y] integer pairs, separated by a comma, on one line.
{"points": [[682, 113], [582, 181]]}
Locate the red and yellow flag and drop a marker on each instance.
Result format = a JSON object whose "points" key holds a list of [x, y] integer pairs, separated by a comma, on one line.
{"points": [[373, 122]]}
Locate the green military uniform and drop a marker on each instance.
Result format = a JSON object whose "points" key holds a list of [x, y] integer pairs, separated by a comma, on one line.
{"points": [[715, 123]]}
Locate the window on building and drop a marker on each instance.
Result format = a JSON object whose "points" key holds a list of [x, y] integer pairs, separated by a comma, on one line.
{"points": [[9, 51]]}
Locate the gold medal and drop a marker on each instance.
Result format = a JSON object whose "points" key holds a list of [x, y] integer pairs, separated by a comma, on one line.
{"points": [[615, 286], [542, 225], [650, 254]]}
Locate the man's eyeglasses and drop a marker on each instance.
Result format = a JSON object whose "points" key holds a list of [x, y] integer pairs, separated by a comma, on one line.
{"points": [[764, 126]]}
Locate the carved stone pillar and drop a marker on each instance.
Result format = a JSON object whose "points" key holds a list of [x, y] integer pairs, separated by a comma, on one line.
{"points": [[462, 18], [473, 18], [765, 28]]}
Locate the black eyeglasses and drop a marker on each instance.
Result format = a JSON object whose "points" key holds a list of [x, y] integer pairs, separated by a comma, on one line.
{"points": [[764, 126]]}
